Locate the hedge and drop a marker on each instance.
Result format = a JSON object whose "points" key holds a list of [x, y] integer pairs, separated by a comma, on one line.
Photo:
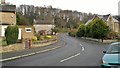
{"points": [[11, 34]]}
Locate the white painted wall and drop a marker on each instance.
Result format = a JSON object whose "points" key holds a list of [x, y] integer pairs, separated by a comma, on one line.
{"points": [[3, 30], [43, 27], [19, 35]]}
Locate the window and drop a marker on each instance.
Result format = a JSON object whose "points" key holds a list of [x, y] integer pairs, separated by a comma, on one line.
{"points": [[28, 29]]}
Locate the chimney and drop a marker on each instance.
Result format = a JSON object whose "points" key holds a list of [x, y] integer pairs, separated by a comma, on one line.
{"points": [[2, 1]]}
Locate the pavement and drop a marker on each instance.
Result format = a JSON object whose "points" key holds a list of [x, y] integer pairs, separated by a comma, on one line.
{"points": [[8, 56]]}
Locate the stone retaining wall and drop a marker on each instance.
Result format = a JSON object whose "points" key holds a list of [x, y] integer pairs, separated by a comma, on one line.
{"points": [[99, 40], [21, 46]]}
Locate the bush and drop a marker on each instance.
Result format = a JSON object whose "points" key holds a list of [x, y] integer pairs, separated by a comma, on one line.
{"points": [[48, 36], [38, 37], [88, 32], [11, 34], [81, 31], [34, 38], [72, 32], [112, 35]]}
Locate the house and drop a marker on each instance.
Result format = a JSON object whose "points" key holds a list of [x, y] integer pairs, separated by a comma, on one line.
{"points": [[8, 17], [109, 19], [2, 1], [43, 25], [26, 32], [111, 22]]}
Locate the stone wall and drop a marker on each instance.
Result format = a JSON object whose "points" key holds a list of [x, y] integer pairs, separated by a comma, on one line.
{"points": [[21, 46]]}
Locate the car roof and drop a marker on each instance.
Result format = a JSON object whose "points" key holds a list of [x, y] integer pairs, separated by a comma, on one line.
{"points": [[115, 43]]}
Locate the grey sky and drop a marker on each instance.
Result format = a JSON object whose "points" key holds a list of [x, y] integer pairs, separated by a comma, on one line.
{"points": [[94, 6]]}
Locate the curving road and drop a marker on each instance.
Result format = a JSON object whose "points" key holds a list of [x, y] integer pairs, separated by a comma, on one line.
{"points": [[77, 52]]}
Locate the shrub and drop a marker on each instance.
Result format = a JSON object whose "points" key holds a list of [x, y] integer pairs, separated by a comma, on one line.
{"points": [[72, 32], [81, 31], [11, 34], [38, 37], [48, 36], [34, 38], [112, 35]]}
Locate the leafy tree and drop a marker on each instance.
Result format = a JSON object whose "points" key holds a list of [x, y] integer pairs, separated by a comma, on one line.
{"points": [[11, 34], [81, 31], [88, 32], [22, 20], [99, 29]]}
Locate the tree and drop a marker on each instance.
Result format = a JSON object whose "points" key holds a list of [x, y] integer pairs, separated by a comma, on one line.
{"points": [[88, 32], [11, 34], [22, 20], [99, 29], [81, 31]]}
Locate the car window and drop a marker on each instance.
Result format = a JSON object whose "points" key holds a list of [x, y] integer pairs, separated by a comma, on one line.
{"points": [[114, 48]]}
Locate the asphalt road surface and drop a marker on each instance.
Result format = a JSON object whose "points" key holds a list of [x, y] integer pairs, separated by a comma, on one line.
{"points": [[77, 52]]}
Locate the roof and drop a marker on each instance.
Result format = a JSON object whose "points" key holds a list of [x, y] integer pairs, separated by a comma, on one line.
{"points": [[8, 8], [88, 21], [105, 17], [91, 19], [117, 18], [116, 43], [43, 22]]}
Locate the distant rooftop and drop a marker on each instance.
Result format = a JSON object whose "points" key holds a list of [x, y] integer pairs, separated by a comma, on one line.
{"points": [[8, 8]]}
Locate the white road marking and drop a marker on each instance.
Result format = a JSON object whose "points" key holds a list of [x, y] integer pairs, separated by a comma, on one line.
{"points": [[2, 60], [83, 48], [70, 57], [81, 45]]}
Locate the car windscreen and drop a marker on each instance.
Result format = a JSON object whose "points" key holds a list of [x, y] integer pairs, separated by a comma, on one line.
{"points": [[113, 49]]}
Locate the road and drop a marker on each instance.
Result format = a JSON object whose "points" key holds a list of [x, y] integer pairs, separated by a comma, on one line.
{"points": [[77, 52]]}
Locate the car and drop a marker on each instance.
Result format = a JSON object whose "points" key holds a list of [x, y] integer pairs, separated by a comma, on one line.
{"points": [[111, 58]]}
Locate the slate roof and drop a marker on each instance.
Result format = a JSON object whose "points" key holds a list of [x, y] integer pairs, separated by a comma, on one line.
{"points": [[8, 8], [105, 17]]}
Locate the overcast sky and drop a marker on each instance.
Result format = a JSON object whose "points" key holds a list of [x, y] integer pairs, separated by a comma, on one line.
{"points": [[94, 6]]}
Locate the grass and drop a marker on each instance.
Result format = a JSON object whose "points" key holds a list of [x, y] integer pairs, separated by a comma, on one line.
{"points": [[3, 43]]}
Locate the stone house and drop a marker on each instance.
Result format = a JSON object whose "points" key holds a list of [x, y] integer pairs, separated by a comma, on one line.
{"points": [[110, 20], [8, 17]]}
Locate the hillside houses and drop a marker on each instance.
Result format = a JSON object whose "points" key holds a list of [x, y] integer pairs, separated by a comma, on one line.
{"points": [[48, 12]]}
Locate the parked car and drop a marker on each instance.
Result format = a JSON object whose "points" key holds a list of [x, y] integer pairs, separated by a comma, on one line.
{"points": [[111, 58]]}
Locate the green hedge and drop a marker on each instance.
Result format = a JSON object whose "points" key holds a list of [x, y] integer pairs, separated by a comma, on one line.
{"points": [[11, 34], [81, 31]]}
